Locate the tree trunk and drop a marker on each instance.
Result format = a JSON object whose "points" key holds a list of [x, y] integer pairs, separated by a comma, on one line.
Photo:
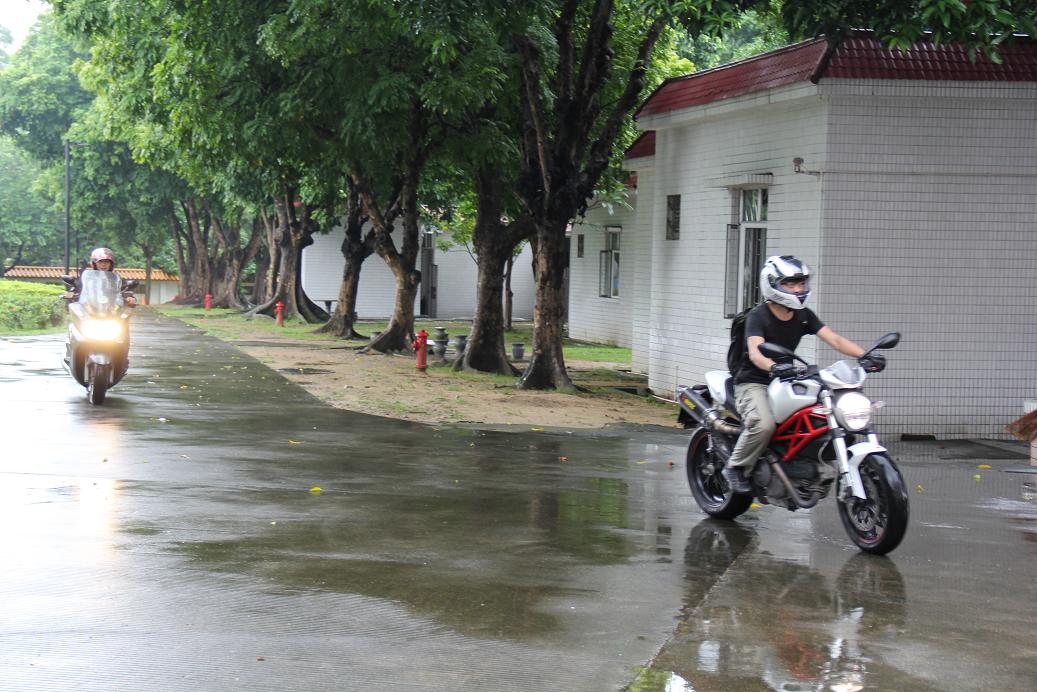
{"points": [[509, 295], [198, 254], [400, 332], [149, 260], [181, 262], [293, 234], [399, 335], [494, 243], [546, 367], [231, 261], [259, 293], [355, 249]]}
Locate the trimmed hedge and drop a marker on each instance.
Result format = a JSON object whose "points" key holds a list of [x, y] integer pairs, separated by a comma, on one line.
{"points": [[25, 306]]}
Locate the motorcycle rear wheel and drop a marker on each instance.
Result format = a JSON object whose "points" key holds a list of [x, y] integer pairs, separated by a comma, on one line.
{"points": [[877, 524], [98, 386], [709, 488]]}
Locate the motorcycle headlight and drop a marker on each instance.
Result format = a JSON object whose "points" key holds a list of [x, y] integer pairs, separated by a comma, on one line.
{"points": [[853, 411], [102, 330]]}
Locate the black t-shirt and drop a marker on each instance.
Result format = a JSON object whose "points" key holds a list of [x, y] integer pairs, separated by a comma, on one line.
{"points": [[762, 322]]}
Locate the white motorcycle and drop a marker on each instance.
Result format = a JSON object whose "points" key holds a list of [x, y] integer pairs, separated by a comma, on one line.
{"points": [[824, 438]]}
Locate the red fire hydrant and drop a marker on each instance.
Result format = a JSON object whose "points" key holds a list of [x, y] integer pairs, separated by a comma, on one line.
{"points": [[420, 347], [279, 313], [208, 301]]}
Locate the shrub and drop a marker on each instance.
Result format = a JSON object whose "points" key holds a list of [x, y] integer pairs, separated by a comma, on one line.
{"points": [[25, 306]]}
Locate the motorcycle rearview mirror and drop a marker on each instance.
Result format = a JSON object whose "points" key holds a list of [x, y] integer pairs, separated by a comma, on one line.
{"points": [[888, 341], [778, 352]]}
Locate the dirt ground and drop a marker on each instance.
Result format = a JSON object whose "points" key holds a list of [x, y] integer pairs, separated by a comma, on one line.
{"points": [[391, 386]]}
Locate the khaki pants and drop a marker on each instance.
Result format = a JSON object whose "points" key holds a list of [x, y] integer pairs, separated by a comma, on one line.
{"points": [[757, 424]]}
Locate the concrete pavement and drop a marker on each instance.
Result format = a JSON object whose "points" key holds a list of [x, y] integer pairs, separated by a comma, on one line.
{"points": [[174, 538]]}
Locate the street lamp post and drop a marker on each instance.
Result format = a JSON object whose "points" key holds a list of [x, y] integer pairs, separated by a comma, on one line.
{"points": [[68, 205]]}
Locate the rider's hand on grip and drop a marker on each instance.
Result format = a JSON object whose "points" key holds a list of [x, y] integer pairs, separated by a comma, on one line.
{"points": [[873, 362], [783, 371]]}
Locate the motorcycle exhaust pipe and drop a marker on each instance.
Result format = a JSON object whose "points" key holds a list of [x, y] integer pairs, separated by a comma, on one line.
{"points": [[693, 403], [814, 498]]}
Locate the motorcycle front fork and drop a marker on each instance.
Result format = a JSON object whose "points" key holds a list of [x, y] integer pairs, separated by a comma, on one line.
{"points": [[849, 477]]}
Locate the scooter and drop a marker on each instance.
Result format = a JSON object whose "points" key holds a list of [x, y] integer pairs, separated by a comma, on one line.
{"points": [[98, 345], [824, 438]]}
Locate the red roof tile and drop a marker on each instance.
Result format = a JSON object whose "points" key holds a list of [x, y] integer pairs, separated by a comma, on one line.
{"points": [[858, 57], [865, 58], [784, 66], [26, 272], [642, 146]]}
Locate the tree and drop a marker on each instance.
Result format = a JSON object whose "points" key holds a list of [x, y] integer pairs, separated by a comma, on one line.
{"points": [[357, 246], [40, 95], [980, 25], [754, 31], [192, 91], [30, 225], [5, 41]]}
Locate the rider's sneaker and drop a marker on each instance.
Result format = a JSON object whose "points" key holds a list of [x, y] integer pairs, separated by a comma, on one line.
{"points": [[734, 478]]}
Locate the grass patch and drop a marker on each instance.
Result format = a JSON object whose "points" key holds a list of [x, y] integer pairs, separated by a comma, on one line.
{"points": [[229, 324], [30, 308]]}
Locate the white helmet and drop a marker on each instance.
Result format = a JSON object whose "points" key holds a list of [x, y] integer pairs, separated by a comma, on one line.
{"points": [[780, 268]]}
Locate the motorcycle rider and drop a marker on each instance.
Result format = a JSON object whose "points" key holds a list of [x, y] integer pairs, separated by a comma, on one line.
{"points": [[782, 318], [103, 259]]}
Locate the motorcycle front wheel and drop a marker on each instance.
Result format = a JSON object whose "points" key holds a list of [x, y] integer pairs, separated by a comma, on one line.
{"points": [[98, 385], [707, 485], [877, 524]]}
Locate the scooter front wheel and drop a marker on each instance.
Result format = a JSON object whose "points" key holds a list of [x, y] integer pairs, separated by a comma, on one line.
{"points": [[877, 523], [707, 484], [98, 384]]}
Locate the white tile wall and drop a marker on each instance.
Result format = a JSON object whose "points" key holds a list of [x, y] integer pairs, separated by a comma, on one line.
{"points": [[930, 221], [322, 265], [688, 334], [592, 317], [458, 284], [930, 201]]}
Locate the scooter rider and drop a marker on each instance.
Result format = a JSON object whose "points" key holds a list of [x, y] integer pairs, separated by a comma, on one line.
{"points": [[103, 259], [781, 319]]}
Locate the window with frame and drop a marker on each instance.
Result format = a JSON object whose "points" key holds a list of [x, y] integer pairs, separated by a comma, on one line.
{"points": [[745, 252], [579, 245], [608, 265], [673, 217]]}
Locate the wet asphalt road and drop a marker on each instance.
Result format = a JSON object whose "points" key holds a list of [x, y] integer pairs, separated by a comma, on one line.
{"points": [[170, 540]]}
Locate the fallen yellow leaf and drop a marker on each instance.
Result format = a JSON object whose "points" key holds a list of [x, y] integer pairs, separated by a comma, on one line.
{"points": [[755, 505], [920, 488], [316, 491], [977, 477], [294, 442], [984, 466], [537, 429]]}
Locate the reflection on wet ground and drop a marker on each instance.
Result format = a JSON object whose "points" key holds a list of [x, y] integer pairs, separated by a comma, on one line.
{"points": [[212, 526]]}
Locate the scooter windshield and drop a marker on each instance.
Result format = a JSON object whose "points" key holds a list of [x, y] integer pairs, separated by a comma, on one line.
{"points": [[100, 294]]}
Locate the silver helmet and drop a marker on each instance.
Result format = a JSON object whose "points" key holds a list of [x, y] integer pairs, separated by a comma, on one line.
{"points": [[783, 268]]}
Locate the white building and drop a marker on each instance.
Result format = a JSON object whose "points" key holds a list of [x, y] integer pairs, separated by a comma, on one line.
{"points": [[448, 283], [908, 181]]}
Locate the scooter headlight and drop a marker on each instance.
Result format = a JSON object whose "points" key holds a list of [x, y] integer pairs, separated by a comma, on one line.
{"points": [[102, 330], [853, 411]]}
